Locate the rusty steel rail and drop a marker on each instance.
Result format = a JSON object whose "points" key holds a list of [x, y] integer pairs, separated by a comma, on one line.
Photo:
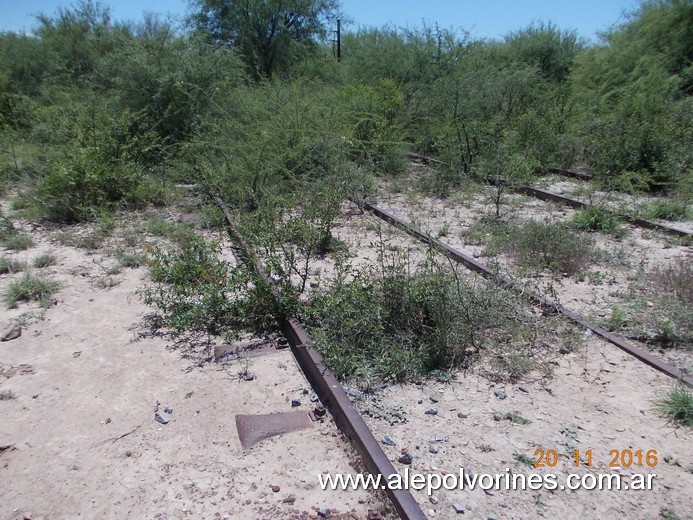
{"points": [[471, 264], [636, 221], [326, 385], [554, 197]]}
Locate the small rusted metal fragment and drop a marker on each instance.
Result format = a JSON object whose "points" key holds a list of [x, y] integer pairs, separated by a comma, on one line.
{"points": [[255, 428]]}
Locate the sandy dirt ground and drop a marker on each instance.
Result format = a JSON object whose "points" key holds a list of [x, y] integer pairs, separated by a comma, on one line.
{"points": [[84, 443], [599, 399], [80, 430]]}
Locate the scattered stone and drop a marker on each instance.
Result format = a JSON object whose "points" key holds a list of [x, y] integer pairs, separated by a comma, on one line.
{"points": [[489, 492], [12, 332], [374, 515], [420, 401], [433, 399], [433, 449], [523, 389], [162, 417], [295, 403], [388, 440], [275, 489], [405, 459], [462, 415], [282, 342], [500, 394], [459, 508], [289, 500], [393, 389], [582, 427], [352, 392], [476, 254], [168, 410], [314, 398], [324, 512], [248, 376], [432, 411], [431, 512], [433, 499]]}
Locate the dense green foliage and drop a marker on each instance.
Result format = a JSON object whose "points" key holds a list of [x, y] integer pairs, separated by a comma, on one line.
{"points": [[84, 93]]}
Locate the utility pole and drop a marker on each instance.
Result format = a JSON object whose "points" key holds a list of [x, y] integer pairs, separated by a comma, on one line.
{"points": [[339, 40]]}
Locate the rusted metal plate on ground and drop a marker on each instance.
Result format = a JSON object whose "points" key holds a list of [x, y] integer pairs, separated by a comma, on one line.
{"points": [[255, 428]]}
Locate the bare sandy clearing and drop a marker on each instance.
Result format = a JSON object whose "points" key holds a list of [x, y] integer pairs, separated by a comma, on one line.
{"points": [[82, 429]]}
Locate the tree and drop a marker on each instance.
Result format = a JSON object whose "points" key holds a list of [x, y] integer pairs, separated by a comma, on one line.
{"points": [[76, 37], [546, 47], [269, 34]]}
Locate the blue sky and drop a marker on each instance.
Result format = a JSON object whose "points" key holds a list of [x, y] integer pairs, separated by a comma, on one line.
{"points": [[482, 18]]}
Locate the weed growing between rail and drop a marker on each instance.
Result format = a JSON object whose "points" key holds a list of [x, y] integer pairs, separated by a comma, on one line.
{"points": [[597, 218], [671, 322], [539, 245], [677, 405], [30, 288]]}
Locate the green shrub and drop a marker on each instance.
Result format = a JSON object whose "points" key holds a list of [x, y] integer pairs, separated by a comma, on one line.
{"points": [[597, 218], [198, 293], [546, 245], [30, 288], [9, 265], [397, 325], [677, 405], [668, 210], [83, 186]]}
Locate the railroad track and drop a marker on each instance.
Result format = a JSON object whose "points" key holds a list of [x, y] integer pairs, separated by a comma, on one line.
{"points": [[636, 221], [473, 265], [554, 197], [326, 385], [330, 391]]}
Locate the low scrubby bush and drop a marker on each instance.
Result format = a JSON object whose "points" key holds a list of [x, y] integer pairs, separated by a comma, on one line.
{"points": [[395, 325], [597, 218], [199, 293], [541, 245], [83, 185]]}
